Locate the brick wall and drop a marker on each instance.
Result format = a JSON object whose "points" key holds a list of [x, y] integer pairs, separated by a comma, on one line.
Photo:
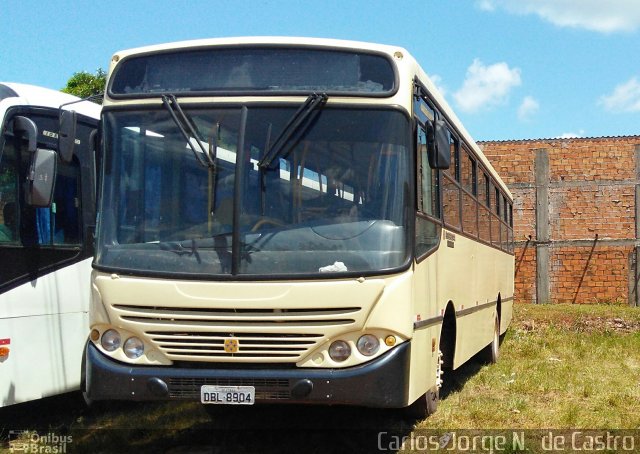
{"points": [[586, 191]]}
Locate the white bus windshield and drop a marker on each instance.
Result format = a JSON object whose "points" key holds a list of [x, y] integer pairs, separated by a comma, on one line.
{"points": [[334, 200]]}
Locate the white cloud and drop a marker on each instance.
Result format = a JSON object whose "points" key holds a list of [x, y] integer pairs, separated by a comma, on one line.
{"points": [[625, 97], [528, 108], [486, 86], [487, 5], [437, 81], [595, 15], [571, 135]]}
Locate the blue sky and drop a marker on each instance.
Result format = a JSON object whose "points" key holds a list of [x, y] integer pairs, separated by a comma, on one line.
{"points": [[511, 69]]}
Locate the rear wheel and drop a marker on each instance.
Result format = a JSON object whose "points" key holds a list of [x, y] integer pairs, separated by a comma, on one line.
{"points": [[491, 352], [427, 404]]}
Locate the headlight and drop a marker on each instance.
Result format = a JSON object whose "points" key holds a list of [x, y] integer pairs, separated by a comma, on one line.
{"points": [[133, 348], [110, 340], [368, 345], [339, 351]]}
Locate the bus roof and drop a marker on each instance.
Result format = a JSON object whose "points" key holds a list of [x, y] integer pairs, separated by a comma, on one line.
{"points": [[258, 40], [33, 95]]}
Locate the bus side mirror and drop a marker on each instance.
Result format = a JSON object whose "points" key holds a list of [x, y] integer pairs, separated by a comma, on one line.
{"points": [[439, 145], [29, 128], [67, 134], [41, 179]]}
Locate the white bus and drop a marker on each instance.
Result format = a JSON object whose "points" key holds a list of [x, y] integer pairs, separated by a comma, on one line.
{"points": [[47, 211], [294, 221]]}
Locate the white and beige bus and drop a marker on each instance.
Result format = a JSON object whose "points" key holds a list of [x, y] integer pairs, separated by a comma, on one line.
{"points": [[47, 216], [293, 221]]}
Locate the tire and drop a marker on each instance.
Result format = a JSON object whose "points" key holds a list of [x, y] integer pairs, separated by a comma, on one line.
{"points": [[491, 353], [427, 404]]}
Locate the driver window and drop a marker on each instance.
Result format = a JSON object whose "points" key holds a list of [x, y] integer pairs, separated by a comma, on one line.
{"points": [[21, 224], [8, 196]]}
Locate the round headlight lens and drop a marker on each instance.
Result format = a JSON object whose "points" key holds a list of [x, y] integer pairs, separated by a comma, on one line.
{"points": [[110, 340], [368, 345], [133, 348], [339, 351]]}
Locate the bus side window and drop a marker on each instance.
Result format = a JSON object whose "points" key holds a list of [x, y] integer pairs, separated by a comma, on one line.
{"points": [[427, 231], [22, 224], [59, 224], [495, 217], [510, 228], [429, 200], [505, 211], [8, 197], [487, 191], [64, 213], [468, 169], [451, 194], [455, 157], [484, 213]]}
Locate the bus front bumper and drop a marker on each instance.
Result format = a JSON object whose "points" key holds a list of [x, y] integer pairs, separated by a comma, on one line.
{"points": [[383, 382]]}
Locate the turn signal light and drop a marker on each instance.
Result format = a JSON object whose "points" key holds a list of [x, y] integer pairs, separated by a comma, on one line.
{"points": [[4, 352]]}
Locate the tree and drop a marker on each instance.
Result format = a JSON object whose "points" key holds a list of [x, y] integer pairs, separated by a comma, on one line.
{"points": [[83, 84]]}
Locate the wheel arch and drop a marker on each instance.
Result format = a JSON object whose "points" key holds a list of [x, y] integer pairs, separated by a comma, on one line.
{"points": [[448, 335]]}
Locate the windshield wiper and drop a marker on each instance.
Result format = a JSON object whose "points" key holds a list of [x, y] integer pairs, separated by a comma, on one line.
{"points": [[297, 120], [188, 131]]}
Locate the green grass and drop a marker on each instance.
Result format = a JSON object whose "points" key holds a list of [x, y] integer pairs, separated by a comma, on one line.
{"points": [[561, 367]]}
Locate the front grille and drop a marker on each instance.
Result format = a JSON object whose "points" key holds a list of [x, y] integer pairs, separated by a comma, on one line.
{"points": [[266, 388], [199, 334], [251, 345]]}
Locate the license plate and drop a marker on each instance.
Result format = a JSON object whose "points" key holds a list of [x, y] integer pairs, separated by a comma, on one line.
{"points": [[228, 395]]}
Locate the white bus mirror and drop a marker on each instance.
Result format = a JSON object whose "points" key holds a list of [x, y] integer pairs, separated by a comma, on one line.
{"points": [[439, 145], [67, 134], [42, 177], [27, 125]]}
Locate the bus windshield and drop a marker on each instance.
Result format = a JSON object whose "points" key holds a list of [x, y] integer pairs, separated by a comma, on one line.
{"points": [[254, 69], [334, 198]]}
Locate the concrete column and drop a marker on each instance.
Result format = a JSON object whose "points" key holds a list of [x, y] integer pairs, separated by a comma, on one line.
{"points": [[632, 290], [634, 272], [543, 287]]}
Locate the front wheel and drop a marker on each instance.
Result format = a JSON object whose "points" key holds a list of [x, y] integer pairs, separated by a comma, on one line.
{"points": [[427, 404]]}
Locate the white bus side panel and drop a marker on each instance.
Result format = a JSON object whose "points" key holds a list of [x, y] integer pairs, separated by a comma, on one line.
{"points": [[45, 323], [471, 274]]}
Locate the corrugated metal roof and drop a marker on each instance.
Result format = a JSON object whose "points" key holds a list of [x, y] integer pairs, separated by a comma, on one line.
{"points": [[548, 139]]}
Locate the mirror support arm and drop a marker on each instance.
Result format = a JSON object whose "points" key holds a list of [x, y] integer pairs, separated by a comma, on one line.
{"points": [[27, 125]]}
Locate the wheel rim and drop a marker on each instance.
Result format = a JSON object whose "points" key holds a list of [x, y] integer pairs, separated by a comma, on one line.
{"points": [[440, 361]]}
